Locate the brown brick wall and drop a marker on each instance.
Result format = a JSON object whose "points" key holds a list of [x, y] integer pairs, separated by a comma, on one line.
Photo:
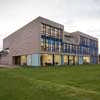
{"points": [[24, 41]]}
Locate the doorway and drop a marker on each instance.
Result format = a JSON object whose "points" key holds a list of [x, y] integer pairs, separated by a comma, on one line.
{"points": [[16, 60]]}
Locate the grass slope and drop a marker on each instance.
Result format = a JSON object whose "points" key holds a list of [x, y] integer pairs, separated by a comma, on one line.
{"points": [[51, 83]]}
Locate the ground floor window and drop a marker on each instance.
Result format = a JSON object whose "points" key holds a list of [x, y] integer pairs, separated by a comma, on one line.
{"points": [[65, 59], [50, 59], [86, 59], [23, 60], [76, 59], [57, 59], [46, 59], [71, 60]]}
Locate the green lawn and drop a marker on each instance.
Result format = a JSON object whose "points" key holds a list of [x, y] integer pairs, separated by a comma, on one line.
{"points": [[50, 83]]}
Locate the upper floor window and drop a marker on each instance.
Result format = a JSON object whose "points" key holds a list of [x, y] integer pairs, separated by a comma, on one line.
{"points": [[42, 44], [60, 33], [52, 31], [48, 30], [59, 46], [56, 33], [43, 28]]}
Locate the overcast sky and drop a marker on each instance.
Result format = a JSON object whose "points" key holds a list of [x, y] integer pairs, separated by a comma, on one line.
{"points": [[75, 15]]}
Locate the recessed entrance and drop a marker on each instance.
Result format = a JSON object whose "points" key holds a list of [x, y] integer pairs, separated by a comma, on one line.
{"points": [[19, 60], [16, 60]]}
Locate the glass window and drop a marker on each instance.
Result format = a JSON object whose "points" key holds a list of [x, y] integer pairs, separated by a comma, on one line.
{"points": [[65, 59], [59, 46], [42, 44], [43, 28], [60, 33], [53, 31]]}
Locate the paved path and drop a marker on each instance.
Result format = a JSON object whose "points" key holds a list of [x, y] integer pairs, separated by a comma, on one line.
{"points": [[8, 66]]}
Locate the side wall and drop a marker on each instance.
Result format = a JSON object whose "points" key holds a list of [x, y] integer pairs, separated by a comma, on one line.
{"points": [[25, 41]]}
